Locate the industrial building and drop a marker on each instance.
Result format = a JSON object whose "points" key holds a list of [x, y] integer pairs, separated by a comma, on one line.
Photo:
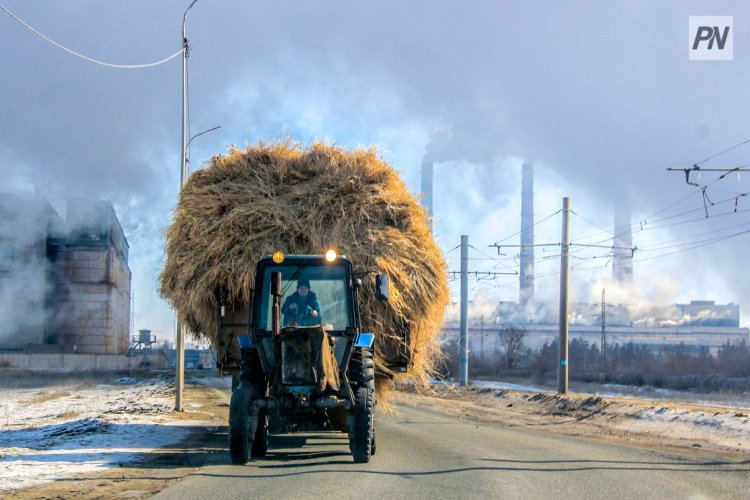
{"points": [[700, 323], [64, 283]]}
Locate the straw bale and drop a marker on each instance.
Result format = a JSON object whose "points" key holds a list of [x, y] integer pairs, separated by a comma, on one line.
{"points": [[298, 200]]}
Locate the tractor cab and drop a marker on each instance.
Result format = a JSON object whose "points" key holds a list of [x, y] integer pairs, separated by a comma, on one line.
{"points": [[327, 301]]}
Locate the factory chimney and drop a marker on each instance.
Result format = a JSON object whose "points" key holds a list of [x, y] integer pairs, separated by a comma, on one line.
{"points": [[622, 255], [526, 275], [427, 188]]}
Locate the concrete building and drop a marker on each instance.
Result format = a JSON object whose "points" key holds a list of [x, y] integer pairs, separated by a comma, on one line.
{"points": [[69, 281]]}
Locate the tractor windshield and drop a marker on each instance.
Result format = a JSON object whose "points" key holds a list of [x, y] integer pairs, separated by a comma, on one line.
{"points": [[311, 295]]}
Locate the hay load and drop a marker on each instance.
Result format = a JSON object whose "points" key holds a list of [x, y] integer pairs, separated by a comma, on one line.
{"points": [[248, 204]]}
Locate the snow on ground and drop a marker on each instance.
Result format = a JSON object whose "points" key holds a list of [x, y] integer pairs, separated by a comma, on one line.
{"points": [[56, 432], [721, 418], [641, 393]]}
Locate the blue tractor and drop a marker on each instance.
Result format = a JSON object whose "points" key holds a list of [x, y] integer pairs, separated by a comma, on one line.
{"points": [[305, 363]]}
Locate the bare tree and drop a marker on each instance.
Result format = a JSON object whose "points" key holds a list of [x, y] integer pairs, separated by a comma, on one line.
{"points": [[511, 339]]}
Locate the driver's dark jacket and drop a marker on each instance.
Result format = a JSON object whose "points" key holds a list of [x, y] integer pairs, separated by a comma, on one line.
{"points": [[296, 308]]}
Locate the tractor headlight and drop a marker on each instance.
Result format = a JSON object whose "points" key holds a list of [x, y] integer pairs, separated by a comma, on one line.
{"points": [[331, 255]]}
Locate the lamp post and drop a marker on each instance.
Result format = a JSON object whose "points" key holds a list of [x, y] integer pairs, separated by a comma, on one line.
{"points": [[187, 146], [180, 344]]}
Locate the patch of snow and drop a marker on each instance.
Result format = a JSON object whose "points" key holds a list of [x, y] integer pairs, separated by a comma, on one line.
{"points": [[724, 420], [642, 393], [511, 387], [49, 434]]}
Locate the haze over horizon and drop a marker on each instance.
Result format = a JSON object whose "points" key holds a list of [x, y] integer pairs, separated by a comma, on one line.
{"points": [[600, 96]]}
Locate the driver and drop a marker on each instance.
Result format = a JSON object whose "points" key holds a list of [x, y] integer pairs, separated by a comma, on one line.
{"points": [[302, 307]]}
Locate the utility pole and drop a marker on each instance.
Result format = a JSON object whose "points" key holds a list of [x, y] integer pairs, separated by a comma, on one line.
{"points": [[604, 330], [562, 368], [180, 344], [464, 340]]}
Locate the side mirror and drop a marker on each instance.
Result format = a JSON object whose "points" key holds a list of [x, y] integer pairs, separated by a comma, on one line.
{"points": [[381, 287], [357, 283], [276, 284]]}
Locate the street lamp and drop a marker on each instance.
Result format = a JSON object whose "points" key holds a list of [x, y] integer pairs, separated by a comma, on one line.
{"points": [[180, 347], [187, 147]]}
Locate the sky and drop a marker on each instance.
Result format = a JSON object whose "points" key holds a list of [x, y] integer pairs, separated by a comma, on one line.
{"points": [[600, 96]]}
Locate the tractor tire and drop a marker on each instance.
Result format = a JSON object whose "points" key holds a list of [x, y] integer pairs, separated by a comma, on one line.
{"points": [[362, 369], [362, 431], [239, 422], [260, 443]]}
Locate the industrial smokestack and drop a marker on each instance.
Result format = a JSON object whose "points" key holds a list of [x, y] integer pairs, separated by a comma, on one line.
{"points": [[427, 187], [526, 276], [622, 255]]}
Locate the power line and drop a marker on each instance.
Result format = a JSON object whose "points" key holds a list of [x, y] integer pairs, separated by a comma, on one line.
{"points": [[78, 54], [722, 152], [632, 249], [452, 249], [694, 244], [701, 244], [529, 227], [669, 242], [590, 222], [649, 226], [692, 193], [480, 274]]}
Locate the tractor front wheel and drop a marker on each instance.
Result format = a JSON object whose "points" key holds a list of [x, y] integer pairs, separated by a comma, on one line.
{"points": [[240, 441], [362, 432]]}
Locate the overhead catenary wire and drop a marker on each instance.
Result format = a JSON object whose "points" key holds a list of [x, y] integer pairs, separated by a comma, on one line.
{"points": [[647, 223], [724, 151], [82, 56], [697, 245], [656, 221], [655, 224], [690, 239], [590, 222], [533, 225]]}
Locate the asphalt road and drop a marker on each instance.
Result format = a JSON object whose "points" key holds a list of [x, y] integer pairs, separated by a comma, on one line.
{"points": [[425, 454]]}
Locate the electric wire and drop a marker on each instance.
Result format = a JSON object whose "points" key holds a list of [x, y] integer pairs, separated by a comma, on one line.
{"points": [[529, 227], [694, 242], [646, 224], [709, 242], [452, 249], [670, 243], [590, 222], [722, 152], [78, 54], [497, 261], [655, 224]]}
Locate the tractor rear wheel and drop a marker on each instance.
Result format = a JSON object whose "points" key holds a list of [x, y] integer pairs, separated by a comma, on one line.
{"points": [[260, 443], [362, 432], [240, 441]]}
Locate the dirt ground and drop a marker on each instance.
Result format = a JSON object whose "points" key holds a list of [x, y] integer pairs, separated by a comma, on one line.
{"points": [[206, 415], [724, 431]]}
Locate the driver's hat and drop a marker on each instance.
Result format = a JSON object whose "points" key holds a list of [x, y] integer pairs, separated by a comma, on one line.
{"points": [[303, 282]]}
